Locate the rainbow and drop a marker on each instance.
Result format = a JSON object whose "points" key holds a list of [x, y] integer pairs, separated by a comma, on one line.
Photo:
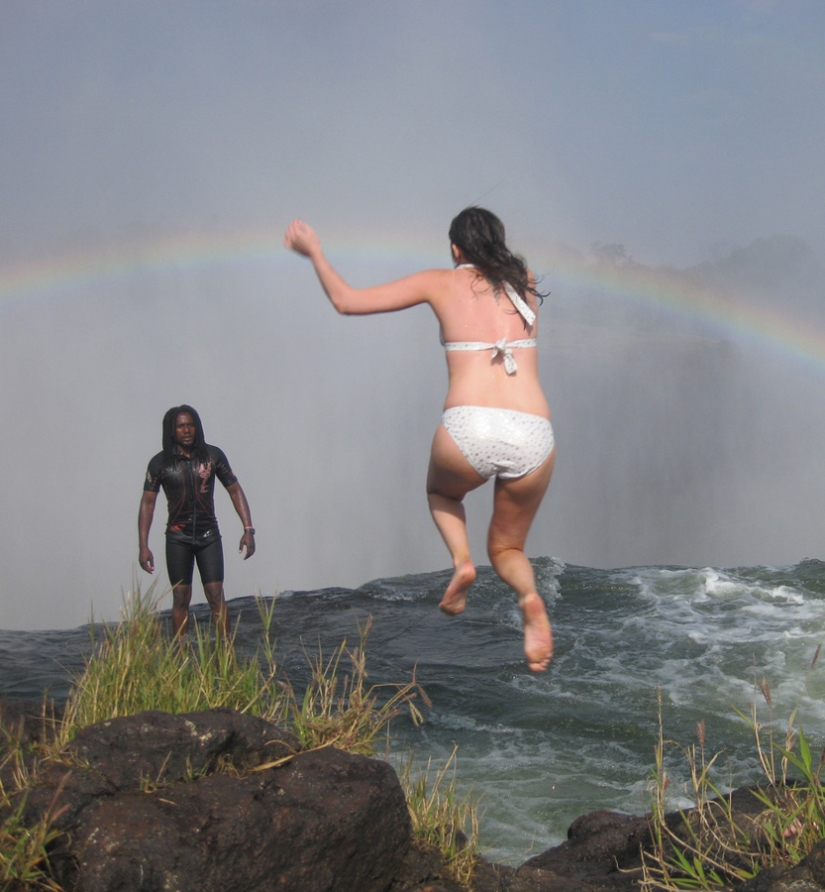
{"points": [[734, 313], [81, 270], [50, 278]]}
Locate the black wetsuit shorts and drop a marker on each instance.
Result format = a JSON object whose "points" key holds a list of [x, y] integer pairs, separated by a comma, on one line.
{"points": [[182, 553]]}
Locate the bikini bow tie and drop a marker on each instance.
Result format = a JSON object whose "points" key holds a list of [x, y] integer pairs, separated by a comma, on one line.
{"points": [[501, 348]]}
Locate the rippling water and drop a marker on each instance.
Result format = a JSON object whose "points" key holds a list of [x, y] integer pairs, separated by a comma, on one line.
{"points": [[539, 750]]}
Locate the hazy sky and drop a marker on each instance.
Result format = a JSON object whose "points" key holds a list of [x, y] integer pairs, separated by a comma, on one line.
{"points": [[681, 129], [668, 126]]}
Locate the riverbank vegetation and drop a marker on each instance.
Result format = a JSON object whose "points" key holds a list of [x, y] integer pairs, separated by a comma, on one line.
{"points": [[138, 666], [718, 844]]}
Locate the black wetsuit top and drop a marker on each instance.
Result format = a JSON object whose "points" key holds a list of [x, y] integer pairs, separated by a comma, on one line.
{"points": [[190, 488]]}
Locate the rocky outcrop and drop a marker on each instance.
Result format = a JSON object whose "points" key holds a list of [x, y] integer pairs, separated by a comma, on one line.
{"points": [[216, 801], [327, 820]]}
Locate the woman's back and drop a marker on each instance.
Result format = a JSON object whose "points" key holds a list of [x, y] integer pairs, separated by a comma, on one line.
{"points": [[472, 313]]}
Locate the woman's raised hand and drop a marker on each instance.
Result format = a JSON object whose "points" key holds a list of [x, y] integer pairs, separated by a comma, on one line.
{"points": [[302, 238]]}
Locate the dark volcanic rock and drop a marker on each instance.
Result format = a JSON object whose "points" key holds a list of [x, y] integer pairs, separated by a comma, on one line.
{"points": [[603, 840], [602, 852], [327, 821], [158, 748], [140, 807]]}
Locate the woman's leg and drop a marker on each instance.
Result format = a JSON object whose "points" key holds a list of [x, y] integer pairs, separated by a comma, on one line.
{"points": [[514, 507], [449, 479]]}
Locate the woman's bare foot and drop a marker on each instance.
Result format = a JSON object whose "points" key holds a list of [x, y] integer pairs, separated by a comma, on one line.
{"points": [[538, 637], [455, 598]]}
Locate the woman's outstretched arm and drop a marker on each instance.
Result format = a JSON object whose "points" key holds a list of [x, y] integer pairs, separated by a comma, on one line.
{"points": [[407, 292]]}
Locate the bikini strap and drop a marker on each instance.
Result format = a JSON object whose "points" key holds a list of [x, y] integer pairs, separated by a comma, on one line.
{"points": [[515, 298], [518, 302]]}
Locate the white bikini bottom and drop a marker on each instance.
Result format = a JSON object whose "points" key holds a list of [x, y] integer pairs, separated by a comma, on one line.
{"points": [[499, 442]]}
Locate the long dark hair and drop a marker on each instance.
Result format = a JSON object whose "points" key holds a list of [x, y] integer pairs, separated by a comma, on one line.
{"points": [[170, 446], [480, 235]]}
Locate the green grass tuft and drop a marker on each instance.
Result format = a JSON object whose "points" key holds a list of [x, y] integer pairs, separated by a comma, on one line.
{"points": [[441, 819], [341, 709], [24, 859], [713, 847], [137, 667]]}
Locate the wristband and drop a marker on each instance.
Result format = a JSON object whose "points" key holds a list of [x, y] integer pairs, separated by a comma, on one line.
{"points": [[249, 530]]}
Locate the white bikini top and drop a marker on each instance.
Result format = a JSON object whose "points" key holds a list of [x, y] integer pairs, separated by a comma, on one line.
{"points": [[503, 347]]}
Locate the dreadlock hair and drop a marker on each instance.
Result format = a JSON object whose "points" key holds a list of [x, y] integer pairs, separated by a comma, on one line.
{"points": [[480, 235], [170, 446]]}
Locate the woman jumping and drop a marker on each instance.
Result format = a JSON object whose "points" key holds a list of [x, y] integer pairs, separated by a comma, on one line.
{"points": [[496, 420]]}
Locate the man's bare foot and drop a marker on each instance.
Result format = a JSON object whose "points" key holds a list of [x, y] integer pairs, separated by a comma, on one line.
{"points": [[455, 598], [538, 637]]}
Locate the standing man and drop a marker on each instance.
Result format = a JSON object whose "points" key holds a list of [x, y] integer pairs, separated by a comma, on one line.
{"points": [[186, 469]]}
